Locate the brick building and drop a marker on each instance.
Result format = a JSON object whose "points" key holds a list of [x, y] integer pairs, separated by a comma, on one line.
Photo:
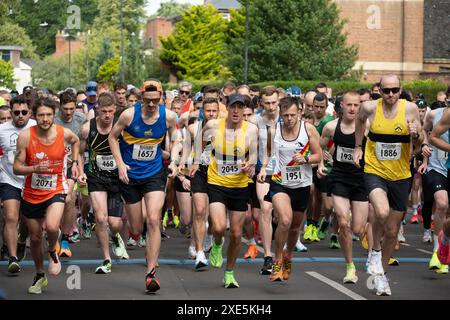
{"points": [[62, 44]]}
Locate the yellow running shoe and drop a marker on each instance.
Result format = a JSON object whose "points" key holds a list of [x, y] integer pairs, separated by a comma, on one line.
{"points": [[393, 262], [176, 221], [365, 242], [443, 269], [314, 236], [434, 264], [350, 276], [308, 232], [277, 272]]}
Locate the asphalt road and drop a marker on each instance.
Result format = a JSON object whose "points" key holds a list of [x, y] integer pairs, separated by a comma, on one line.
{"points": [[317, 275]]}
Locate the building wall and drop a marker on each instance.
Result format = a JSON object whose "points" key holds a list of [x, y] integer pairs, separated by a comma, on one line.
{"points": [[62, 45], [155, 28], [389, 35]]}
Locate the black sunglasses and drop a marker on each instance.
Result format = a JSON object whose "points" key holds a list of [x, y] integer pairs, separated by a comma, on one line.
{"points": [[18, 112], [389, 90], [153, 101], [185, 92]]}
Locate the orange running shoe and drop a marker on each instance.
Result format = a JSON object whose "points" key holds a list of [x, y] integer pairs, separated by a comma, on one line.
{"points": [[443, 252], [277, 272], [151, 283], [287, 265], [252, 252]]}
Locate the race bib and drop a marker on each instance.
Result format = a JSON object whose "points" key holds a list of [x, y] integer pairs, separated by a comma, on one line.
{"points": [[291, 175], [11, 157], [230, 168], [106, 163], [344, 154], [144, 152], [43, 181], [441, 154], [388, 151]]}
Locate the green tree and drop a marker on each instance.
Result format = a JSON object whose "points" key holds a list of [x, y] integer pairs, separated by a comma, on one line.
{"points": [[32, 14], [134, 61], [171, 9], [291, 39], [6, 6], [195, 48], [110, 70], [7, 75], [52, 73], [13, 34]]}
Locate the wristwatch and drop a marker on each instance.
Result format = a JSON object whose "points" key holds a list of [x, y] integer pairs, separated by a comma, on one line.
{"points": [[75, 161]]}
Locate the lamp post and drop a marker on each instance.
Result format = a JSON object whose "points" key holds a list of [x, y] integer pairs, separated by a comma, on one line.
{"points": [[68, 36], [246, 43], [121, 41]]}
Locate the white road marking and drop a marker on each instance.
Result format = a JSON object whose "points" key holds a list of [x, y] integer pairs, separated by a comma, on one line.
{"points": [[405, 244], [335, 285], [425, 251]]}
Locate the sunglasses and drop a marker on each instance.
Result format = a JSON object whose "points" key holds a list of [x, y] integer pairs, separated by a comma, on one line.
{"points": [[389, 90], [153, 101], [185, 92], [18, 112], [91, 89]]}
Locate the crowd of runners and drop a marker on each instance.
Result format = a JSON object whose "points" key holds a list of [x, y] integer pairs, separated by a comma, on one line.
{"points": [[279, 167]]}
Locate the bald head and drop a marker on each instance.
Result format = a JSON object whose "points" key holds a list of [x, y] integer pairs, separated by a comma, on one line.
{"points": [[390, 80], [309, 100]]}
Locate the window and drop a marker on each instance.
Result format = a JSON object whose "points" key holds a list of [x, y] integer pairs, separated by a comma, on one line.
{"points": [[5, 55]]}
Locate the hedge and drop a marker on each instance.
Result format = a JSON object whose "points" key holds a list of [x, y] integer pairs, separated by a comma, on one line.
{"points": [[429, 88]]}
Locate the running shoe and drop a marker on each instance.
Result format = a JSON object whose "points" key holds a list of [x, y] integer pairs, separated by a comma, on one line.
{"points": [[131, 242], [200, 261], [375, 266], [443, 252], [104, 268], [54, 265], [207, 244], [176, 221], [334, 242], [300, 247], [414, 219], [267, 267], [393, 262], [382, 285], [151, 283], [74, 237], [434, 262], [21, 251], [125, 255], [229, 281], [314, 236], [277, 272], [400, 236], [427, 238], [143, 241], [355, 237], [215, 257], [164, 235], [192, 253], [308, 232], [252, 252], [86, 231], [365, 242], [13, 265], [443, 269], [165, 220], [118, 247], [286, 265], [64, 251], [39, 283], [350, 276], [322, 232]]}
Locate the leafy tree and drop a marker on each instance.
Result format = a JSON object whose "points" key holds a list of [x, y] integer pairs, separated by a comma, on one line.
{"points": [[110, 70], [32, 14], [171, 9], [291, 39], [7, 75], [52, 73], [6, 6], [13, 34], [154, 67], [134, 61], [195, 48]]}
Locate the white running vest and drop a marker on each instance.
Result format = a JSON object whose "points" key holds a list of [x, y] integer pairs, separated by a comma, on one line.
{"points": [[287, 172]]}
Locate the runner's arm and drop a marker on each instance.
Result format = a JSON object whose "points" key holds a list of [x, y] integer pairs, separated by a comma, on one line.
{"points": [[83, 144], [314, 142], [123, 122], [72, 139], [439, 129], [19, 166]]}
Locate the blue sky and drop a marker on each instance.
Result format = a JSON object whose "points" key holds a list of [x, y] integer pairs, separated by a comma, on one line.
{"points": [[153, 5]]}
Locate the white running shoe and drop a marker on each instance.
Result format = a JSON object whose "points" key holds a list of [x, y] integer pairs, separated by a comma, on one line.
{"points": [[300, 247], [132, 242], [192, 252], [200, 261], [427, 238], [118, 247], [375, 266], [382, 285], [400, 236]]}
